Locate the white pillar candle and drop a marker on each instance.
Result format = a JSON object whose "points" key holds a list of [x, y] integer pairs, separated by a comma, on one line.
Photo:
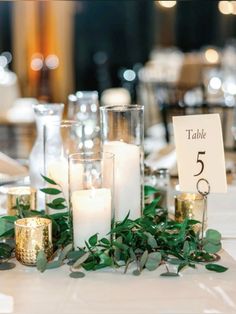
{"points": [[58, 171], [91, 214], [127, 178]]}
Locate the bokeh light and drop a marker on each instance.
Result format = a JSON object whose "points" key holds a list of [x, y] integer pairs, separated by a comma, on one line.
{"points": [[166, 4], [215, 83], [225, 7], [212, 55], [52, 61], [36, 62], [3, 61]]}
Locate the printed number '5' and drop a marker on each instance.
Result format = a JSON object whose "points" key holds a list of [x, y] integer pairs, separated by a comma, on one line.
{"points": [[200, 162]]}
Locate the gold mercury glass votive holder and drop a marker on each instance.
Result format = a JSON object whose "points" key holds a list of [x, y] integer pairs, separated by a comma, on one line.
{"points": [[24, 195], [191, 206], [33, 235]]}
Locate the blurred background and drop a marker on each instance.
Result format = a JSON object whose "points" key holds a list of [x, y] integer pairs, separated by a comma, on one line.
{"points": [[174, 57]]}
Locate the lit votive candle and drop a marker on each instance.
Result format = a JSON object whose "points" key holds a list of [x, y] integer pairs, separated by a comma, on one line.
{"points": [[32, 235], [189, 205], [91, 211], [23, 195]]}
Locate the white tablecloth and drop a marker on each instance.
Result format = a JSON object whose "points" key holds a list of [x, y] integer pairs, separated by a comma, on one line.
{"points": [[24, 290]]}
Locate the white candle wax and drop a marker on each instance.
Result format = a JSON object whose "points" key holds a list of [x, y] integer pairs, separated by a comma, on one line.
{"points": [[58, 171], [91, 214], [127, 179]]}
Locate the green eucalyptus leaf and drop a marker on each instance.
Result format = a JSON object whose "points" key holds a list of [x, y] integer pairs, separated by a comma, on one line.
{"points": [[143, 259], [216, 267], [153, 261], [131, 253], [212, 248], [54, 264], [105, 259], [7, 266], [181, 266], [136, 272], [65, 252], [120, 246], [105, 241], [41, 261], [186, 249], [77, 274], [49, 180], [81, 260], [50, 191], [175, 261], [56, 206], [151, 241], [6, 226], [5, 251], [213, 236], [149, 190], [9, 218], [150, 210], [75, 254], [58, 200], [93, 239], [169, 274]]}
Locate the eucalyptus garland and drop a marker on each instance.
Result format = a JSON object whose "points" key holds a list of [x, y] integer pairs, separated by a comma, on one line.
{"points": [[147, 242]]}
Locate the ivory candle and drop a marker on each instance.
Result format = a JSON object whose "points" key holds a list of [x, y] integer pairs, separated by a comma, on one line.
{"points": [[58, 171], [127, 179], [91, 213]]}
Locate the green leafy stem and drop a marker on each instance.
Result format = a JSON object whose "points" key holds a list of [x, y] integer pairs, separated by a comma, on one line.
{"points": [[147, 242]]}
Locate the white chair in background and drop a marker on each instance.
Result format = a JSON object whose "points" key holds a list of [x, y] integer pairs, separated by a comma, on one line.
{"points": [[115, 96]]}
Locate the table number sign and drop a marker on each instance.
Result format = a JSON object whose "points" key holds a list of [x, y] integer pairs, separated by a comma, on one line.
{"points": [[200, 153]]}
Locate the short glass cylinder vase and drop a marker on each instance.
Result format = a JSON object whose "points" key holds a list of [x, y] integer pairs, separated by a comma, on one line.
{"points": [[44, 114], [61, 139], [122, 132], [20, 196], [83, 107], [91, 195]]}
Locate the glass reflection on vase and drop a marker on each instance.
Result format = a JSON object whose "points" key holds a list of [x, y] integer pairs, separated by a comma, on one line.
{"points": [[60, 140], [44, 114], [83, 107]]}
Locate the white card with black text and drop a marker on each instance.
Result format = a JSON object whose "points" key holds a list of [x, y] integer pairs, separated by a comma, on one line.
{"points": [[200, 153]]}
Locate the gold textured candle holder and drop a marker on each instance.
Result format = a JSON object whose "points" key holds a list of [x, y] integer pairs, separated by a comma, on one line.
{"points": [[32, 235], [189, 205], [24, 195]]}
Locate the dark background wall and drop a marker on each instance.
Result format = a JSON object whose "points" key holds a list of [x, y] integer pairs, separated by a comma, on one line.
{"points": [[111, 35], [5, 26]]}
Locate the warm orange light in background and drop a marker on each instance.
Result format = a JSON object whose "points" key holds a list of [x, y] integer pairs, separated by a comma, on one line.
{"points": [[166, 4], [227, 7], [233, 7], [211, 55]]}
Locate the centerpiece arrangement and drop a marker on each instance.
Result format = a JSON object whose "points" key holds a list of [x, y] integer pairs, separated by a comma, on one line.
{"points": [[94, 215]]}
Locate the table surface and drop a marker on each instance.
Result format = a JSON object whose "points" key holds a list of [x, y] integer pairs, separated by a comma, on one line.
{"points": [[23, 290]]}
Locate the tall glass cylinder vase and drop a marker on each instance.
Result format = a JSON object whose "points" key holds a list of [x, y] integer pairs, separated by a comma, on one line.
{"points": [[122, 130], [45, 114], [83, 107], [91, 194], [61, 139]]}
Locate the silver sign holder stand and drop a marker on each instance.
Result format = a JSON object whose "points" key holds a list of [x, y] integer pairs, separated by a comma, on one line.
{"points": [[203, 188]]}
